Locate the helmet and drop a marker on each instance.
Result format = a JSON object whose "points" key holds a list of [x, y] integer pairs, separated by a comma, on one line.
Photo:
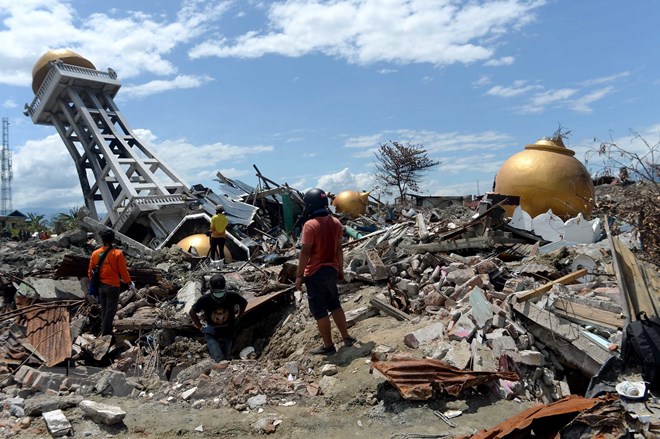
{"points": [[314, 199]]}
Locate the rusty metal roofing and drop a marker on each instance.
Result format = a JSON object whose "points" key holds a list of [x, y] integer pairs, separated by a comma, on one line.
{"points": [[522, 424], [48, 329], [417, 379]]}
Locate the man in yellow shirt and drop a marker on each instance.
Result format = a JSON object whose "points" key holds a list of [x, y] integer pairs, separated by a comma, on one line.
{"points": [[217, 240]]}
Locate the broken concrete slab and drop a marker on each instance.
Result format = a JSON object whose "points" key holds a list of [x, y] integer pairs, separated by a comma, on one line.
{"points": [[463, 329], [188, 295], [52, 289], [424, 335], [482, 309], [58, 425], [102, 413]]}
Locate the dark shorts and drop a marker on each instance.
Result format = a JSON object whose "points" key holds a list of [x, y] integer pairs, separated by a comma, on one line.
{"points": [[322, 293]]}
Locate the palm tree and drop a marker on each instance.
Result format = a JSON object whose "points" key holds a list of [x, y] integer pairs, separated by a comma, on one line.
{"points": [[67, 221]]}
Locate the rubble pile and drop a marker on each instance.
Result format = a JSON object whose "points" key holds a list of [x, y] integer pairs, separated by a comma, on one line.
{"points": [[479, 304]]}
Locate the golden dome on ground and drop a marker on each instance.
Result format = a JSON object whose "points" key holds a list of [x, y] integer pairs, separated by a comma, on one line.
{"points": [[40, 69], [351, 203], [547, 176], [200, 241]]}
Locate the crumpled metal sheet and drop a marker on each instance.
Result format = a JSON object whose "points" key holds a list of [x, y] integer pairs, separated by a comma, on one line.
{"points": [[549, 415], [49, 331], [417, 379]]}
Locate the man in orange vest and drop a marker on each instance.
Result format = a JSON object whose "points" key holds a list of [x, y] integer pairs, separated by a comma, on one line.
{"points": [[113, 271]]}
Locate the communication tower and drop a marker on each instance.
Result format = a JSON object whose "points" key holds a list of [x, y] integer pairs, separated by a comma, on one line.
{"points": [[7, 176]]}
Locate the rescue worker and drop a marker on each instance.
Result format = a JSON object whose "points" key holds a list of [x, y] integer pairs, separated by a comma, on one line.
{"points": [[217, 238]]}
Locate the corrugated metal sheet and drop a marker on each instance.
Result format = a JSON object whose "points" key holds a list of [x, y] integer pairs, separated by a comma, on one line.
{"points": [[555, 416], [417, 379], [49, 331]]}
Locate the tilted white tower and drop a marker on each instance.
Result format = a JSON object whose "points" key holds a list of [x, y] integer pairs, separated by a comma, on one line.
{"points": [[143, 198]]}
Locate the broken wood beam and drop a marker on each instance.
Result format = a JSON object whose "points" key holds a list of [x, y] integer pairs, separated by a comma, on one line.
{"points": [[569, 309], [536, 292], [389, 309]]}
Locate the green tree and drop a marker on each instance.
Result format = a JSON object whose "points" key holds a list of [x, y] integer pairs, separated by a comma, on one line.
{"points": [[66, 221], [35, 222], [401, 166]]}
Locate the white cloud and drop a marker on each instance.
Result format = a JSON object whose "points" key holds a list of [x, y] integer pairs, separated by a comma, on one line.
{"points": [[367, 31], [519, 87], [386, 71], [581, 104], [504, 61], [345, 180], [483, 163], [140, 42], [605, 79], [160, 86], [482, 81], [44, 175], [198, 162], [540, 101], [9, 103], [433, 142]]}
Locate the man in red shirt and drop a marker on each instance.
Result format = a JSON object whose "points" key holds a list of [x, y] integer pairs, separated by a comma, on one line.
{"points": [[320, 265], [113, 272]]}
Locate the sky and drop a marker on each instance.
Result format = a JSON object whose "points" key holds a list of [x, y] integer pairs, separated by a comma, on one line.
{"points": [[307, 90]]}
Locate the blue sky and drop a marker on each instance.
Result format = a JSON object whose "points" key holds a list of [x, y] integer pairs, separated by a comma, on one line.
{"points": [[306, 90]]}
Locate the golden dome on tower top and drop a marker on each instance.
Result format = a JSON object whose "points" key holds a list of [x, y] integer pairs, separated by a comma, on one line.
{"points": [[40, 69]]}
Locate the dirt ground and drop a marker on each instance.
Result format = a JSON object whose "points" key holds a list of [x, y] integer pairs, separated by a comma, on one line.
{"points": [[360, 405]]}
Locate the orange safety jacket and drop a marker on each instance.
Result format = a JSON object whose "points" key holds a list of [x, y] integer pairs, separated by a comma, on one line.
{"points": [[113, 270]]}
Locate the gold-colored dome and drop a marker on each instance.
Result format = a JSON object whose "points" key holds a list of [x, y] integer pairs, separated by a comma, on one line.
{"points": [[202, 244], [351, 203], [547, 176], [40, 69], [200, 241]]}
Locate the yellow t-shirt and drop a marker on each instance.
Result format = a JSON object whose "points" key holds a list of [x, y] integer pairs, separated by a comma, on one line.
{"points": [[218, 225]]}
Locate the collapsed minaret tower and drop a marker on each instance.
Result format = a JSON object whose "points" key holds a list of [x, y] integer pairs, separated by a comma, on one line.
{"points": [[143, 198]]}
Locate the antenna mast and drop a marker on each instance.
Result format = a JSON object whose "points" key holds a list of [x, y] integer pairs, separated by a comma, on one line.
{"points": [[5, 208]]}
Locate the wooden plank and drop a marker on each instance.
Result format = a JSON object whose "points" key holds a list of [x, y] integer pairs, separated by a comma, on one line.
{"points": [[536, 292], [590, 314], [389, 309]]}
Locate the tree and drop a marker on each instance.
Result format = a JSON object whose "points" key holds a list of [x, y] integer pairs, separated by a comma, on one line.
{"points": [[35, 222], [66, 221], [401, 166]]}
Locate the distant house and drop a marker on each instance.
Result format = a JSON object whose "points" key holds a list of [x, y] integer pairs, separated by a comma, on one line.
{"points": [[12, 220]]}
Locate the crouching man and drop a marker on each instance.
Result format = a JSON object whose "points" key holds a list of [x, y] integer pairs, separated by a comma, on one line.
{"points": [[222, 309]]}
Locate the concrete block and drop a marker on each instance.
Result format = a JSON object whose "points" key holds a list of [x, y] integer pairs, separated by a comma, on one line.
{"points": [[460, 276], [54, 289], [463, 329], [505, 345], [531, 358], [188, 294], [188, 393], [102, 413], [424, 335], [483, 358], [459, 354], [58, 425], [482, 310]]}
